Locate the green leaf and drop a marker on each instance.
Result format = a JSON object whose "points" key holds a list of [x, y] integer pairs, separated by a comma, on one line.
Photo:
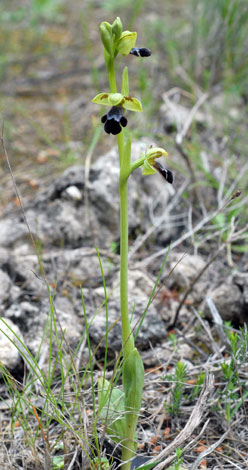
{"points": [[58, 462], [101, 463], [133, 381], [112, 409], [125, 82], [219, 220], [148, 466], [240, 248]]}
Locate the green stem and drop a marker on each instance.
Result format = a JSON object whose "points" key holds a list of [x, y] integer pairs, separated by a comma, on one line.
{"points": [[111, 73], [121, 147], [137, 164], [127, 337], [128, 449]]}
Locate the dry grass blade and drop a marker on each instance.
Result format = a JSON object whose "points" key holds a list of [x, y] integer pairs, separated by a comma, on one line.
{"points": [[193, 421], [208, 451], [182, 134], [212, 343], [217, 320]]}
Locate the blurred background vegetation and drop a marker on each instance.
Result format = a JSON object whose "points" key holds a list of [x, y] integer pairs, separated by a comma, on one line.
{"points": [[51, 65]]}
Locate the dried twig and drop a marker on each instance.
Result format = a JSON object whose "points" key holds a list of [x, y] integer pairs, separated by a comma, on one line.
{"points": [[194, 282], [181, 135], [213, 345], [217, 320], [87, 170], [208, 451], [191, 232], [193, 421], [22, 207], [159, 223]]}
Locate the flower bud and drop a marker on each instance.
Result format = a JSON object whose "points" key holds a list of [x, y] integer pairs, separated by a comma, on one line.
{"points": [[106, 36], [126, 42], [117, 28]]}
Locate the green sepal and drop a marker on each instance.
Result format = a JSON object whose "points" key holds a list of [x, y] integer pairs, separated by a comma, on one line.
{"points": [[147, 169], [126, 42], [125, 82], [108, 99], [132, 104], [112, 408], [133, 381], [106, 37]]}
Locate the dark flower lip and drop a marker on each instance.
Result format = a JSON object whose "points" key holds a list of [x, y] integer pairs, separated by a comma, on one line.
{"points": [[114, 120], [140, 51], [167, 174]]}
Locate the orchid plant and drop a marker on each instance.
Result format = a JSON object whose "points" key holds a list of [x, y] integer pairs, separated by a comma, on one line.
{"points": [[122, 407]]}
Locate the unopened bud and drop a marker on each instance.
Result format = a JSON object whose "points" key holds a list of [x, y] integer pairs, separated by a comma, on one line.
{"points": [[117, 28], [106, 36]]}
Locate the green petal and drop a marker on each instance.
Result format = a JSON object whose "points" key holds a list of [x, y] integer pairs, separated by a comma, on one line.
{"points": [[132, 104], [108, 99], [155, 152]]}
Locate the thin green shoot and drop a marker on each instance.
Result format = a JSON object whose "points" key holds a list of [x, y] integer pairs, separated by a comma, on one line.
{"points": [[179, 379]]}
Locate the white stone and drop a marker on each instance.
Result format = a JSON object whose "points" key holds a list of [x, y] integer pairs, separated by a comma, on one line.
{"points": [[9, 343], [74, 193]]}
